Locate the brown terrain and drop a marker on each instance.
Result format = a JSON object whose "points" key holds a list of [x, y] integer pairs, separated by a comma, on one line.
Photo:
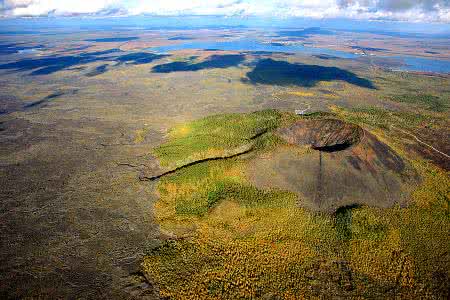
{"points": [[347, 166]]}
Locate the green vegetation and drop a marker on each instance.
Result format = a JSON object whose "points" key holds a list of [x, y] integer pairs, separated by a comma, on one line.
{"points": [[384, 119], [429, 101], [234, 241], [198, 188], [214, 136]]}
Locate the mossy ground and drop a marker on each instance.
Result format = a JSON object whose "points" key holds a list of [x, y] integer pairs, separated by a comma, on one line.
{"points": [[234, 241], [430, 102], [214, 136], [378, 118]]}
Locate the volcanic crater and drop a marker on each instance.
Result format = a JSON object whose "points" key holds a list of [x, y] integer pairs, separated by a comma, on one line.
{"points": [[346, 166]]}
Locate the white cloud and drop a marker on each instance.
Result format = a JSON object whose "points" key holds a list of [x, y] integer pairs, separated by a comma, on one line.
{"points": [[405, 10], [196, 7], [59, 7]]}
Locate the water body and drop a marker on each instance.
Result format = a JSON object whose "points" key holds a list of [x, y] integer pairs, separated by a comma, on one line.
{"points": [[19, 48], [408, 63], [296, 26], [414, 63], [29, 51], [251, 45]]}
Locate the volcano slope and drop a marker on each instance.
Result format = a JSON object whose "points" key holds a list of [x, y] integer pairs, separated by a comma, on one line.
{"points": [[275, 206], [349, 166]]}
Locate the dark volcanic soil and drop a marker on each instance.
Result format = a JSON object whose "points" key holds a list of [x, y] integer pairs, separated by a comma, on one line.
{"points": [[440, 139], [73, 223], [356, 167], [325, 135]]}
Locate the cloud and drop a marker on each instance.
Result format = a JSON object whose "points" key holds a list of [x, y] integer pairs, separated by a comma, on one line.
{"points": [[58, 7], [404, 10]]}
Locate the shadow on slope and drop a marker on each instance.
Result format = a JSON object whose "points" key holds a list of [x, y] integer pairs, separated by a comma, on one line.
{"points": [[98, 70], [43, 101], [113, 39], [214, 61], [14, 104], [16, 48], [269, 71], [139, 58], [51, 64]]}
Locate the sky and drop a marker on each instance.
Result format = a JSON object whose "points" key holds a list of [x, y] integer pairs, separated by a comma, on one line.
{"points": [[394, 10]]}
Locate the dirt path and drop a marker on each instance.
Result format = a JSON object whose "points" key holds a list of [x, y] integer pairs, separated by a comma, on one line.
{"points": [[421, 142]]}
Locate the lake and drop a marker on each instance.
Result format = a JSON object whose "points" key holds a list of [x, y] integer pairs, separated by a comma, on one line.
{"points": [[407, 63]]}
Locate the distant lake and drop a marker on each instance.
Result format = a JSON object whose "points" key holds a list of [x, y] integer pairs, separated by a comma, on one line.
{"points": [[29, 51], [414, 63], [408, 63], [252, 45]]}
